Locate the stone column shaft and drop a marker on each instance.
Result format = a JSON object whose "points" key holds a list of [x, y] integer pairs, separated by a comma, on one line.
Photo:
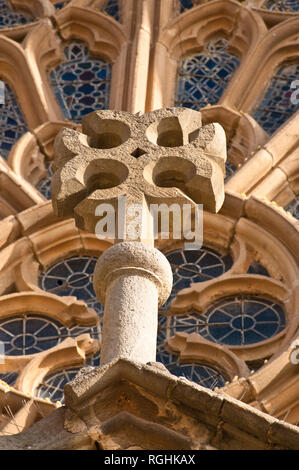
{"points": [[131, 306], [131, 280]]}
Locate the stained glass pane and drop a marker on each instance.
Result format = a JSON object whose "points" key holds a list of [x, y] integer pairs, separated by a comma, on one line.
{"points": [[53, 385], [282, 5], [293, 208], [44, 186], [12, 123], [202, 374], [186, 5], [9, 377], [8, 17], [112, 9], [81, 83], [276, 105], [256, 268], [203, 77], [235, 321], [230, 170], [74, 277], [31, 334], [59, 5], [189, 266]]}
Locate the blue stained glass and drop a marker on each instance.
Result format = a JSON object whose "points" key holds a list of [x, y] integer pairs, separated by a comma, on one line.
{"points": [[53, 385], [31, 334], [59, 5], [233, 321], [230, 170], [189, 266], [203, 77], [8, 17], [80, 91], [243, 320], [12, 123], [44, 186], [186, 5], [276, 106], [293, 208], [282, 5], [9, 377], [73, 277], [112, 9], [257, 268], [203, 374]]}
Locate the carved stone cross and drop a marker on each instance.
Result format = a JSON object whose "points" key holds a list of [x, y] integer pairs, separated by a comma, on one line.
{"points": [[164, 156]]}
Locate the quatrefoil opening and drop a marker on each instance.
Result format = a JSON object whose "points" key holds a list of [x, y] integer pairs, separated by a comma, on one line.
{"points": [[172, 132], [164, 155]]}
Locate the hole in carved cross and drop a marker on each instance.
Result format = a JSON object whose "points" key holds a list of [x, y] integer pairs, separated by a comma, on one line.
{"points": [[105, 133], [171, 172], [166, 133], [138, 152], [104, 174]]}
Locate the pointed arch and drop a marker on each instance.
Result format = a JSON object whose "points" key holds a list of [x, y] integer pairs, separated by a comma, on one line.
{"points": [[187, 34]]}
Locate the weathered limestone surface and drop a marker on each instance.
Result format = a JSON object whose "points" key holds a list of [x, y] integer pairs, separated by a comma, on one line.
{"points": [[126, 405], [164, 156], [131, 279]]}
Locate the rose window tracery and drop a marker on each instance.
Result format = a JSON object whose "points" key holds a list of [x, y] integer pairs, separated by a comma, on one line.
{"points": [[81, 83], [9, 377], [203, 374], [112, 8], [9, 17], [52, 386], [191, 266], [60, 5], [277, 105], [44, 186], [186, 5], [74, 277], [293, 208], [31, 334], [282, 5], [234, 321], [12, 122], [203, 77]]}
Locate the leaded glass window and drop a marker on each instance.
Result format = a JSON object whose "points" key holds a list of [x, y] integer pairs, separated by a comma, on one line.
{"points": [[59, 5], [203, 374], [189, 266], [257, 268], [52, 386], [73, 277], [293, 208], [202, 78], [12, 123], [230, 170], [234, 321], [186, 5], [31, 334], [276, 105], [8, 17], [112, 9], [9, 377], [282, 5], [44, 186], [81, 83]]}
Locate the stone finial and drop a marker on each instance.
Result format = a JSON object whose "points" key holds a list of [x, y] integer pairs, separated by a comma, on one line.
{"points": [[164, 156]]}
